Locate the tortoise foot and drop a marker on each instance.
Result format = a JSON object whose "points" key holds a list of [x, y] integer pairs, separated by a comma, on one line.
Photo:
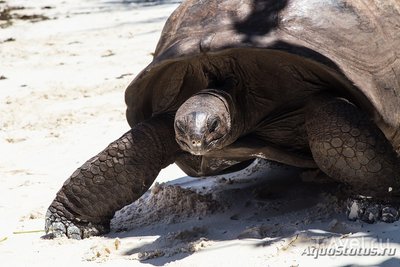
{"points": [[370, 211], [57, 226]]}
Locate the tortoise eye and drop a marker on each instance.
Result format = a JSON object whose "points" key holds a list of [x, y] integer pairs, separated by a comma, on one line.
{"points": [[214, 126], [180, 127]]}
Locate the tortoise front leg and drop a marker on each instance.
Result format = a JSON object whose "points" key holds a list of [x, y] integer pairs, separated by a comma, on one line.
{"points": [[117, 176]]}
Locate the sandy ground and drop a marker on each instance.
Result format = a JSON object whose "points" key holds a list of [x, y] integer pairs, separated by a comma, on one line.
{"points": [[62, 82]]}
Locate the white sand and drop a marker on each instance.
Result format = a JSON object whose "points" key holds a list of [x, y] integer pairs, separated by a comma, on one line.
{"points": [[62, 102]]}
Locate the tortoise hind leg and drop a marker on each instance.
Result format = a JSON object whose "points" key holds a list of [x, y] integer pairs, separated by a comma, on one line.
{"points": [[115, 177], [350, 148]]}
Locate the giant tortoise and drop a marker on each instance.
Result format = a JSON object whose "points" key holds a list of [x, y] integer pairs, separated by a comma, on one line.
{"points": [[308, 83]]}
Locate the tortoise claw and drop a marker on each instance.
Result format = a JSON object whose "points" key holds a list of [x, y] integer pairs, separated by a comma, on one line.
{"points": [[390, 214], [57, 226], [371, 211]]}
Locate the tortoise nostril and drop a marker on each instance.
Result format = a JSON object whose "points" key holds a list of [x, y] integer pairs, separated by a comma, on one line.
{"points": [[196, 144]]}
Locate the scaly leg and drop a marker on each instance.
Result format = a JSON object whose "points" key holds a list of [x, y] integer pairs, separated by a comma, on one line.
{"points": [[117, 176], [350, 148]]}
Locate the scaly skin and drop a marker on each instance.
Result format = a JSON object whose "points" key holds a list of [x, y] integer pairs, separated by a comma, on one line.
{"points": [[350, 148], [117, 176]]}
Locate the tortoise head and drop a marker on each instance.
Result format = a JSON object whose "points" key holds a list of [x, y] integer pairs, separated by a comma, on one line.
{"points": [[204, 122]]}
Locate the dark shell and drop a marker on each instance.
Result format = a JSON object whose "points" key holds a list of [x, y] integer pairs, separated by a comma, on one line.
{"points": [[356, 39]]}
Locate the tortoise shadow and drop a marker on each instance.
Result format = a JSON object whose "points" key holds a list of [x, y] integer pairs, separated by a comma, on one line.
{"points": [[251, 209], [269, 210]]}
